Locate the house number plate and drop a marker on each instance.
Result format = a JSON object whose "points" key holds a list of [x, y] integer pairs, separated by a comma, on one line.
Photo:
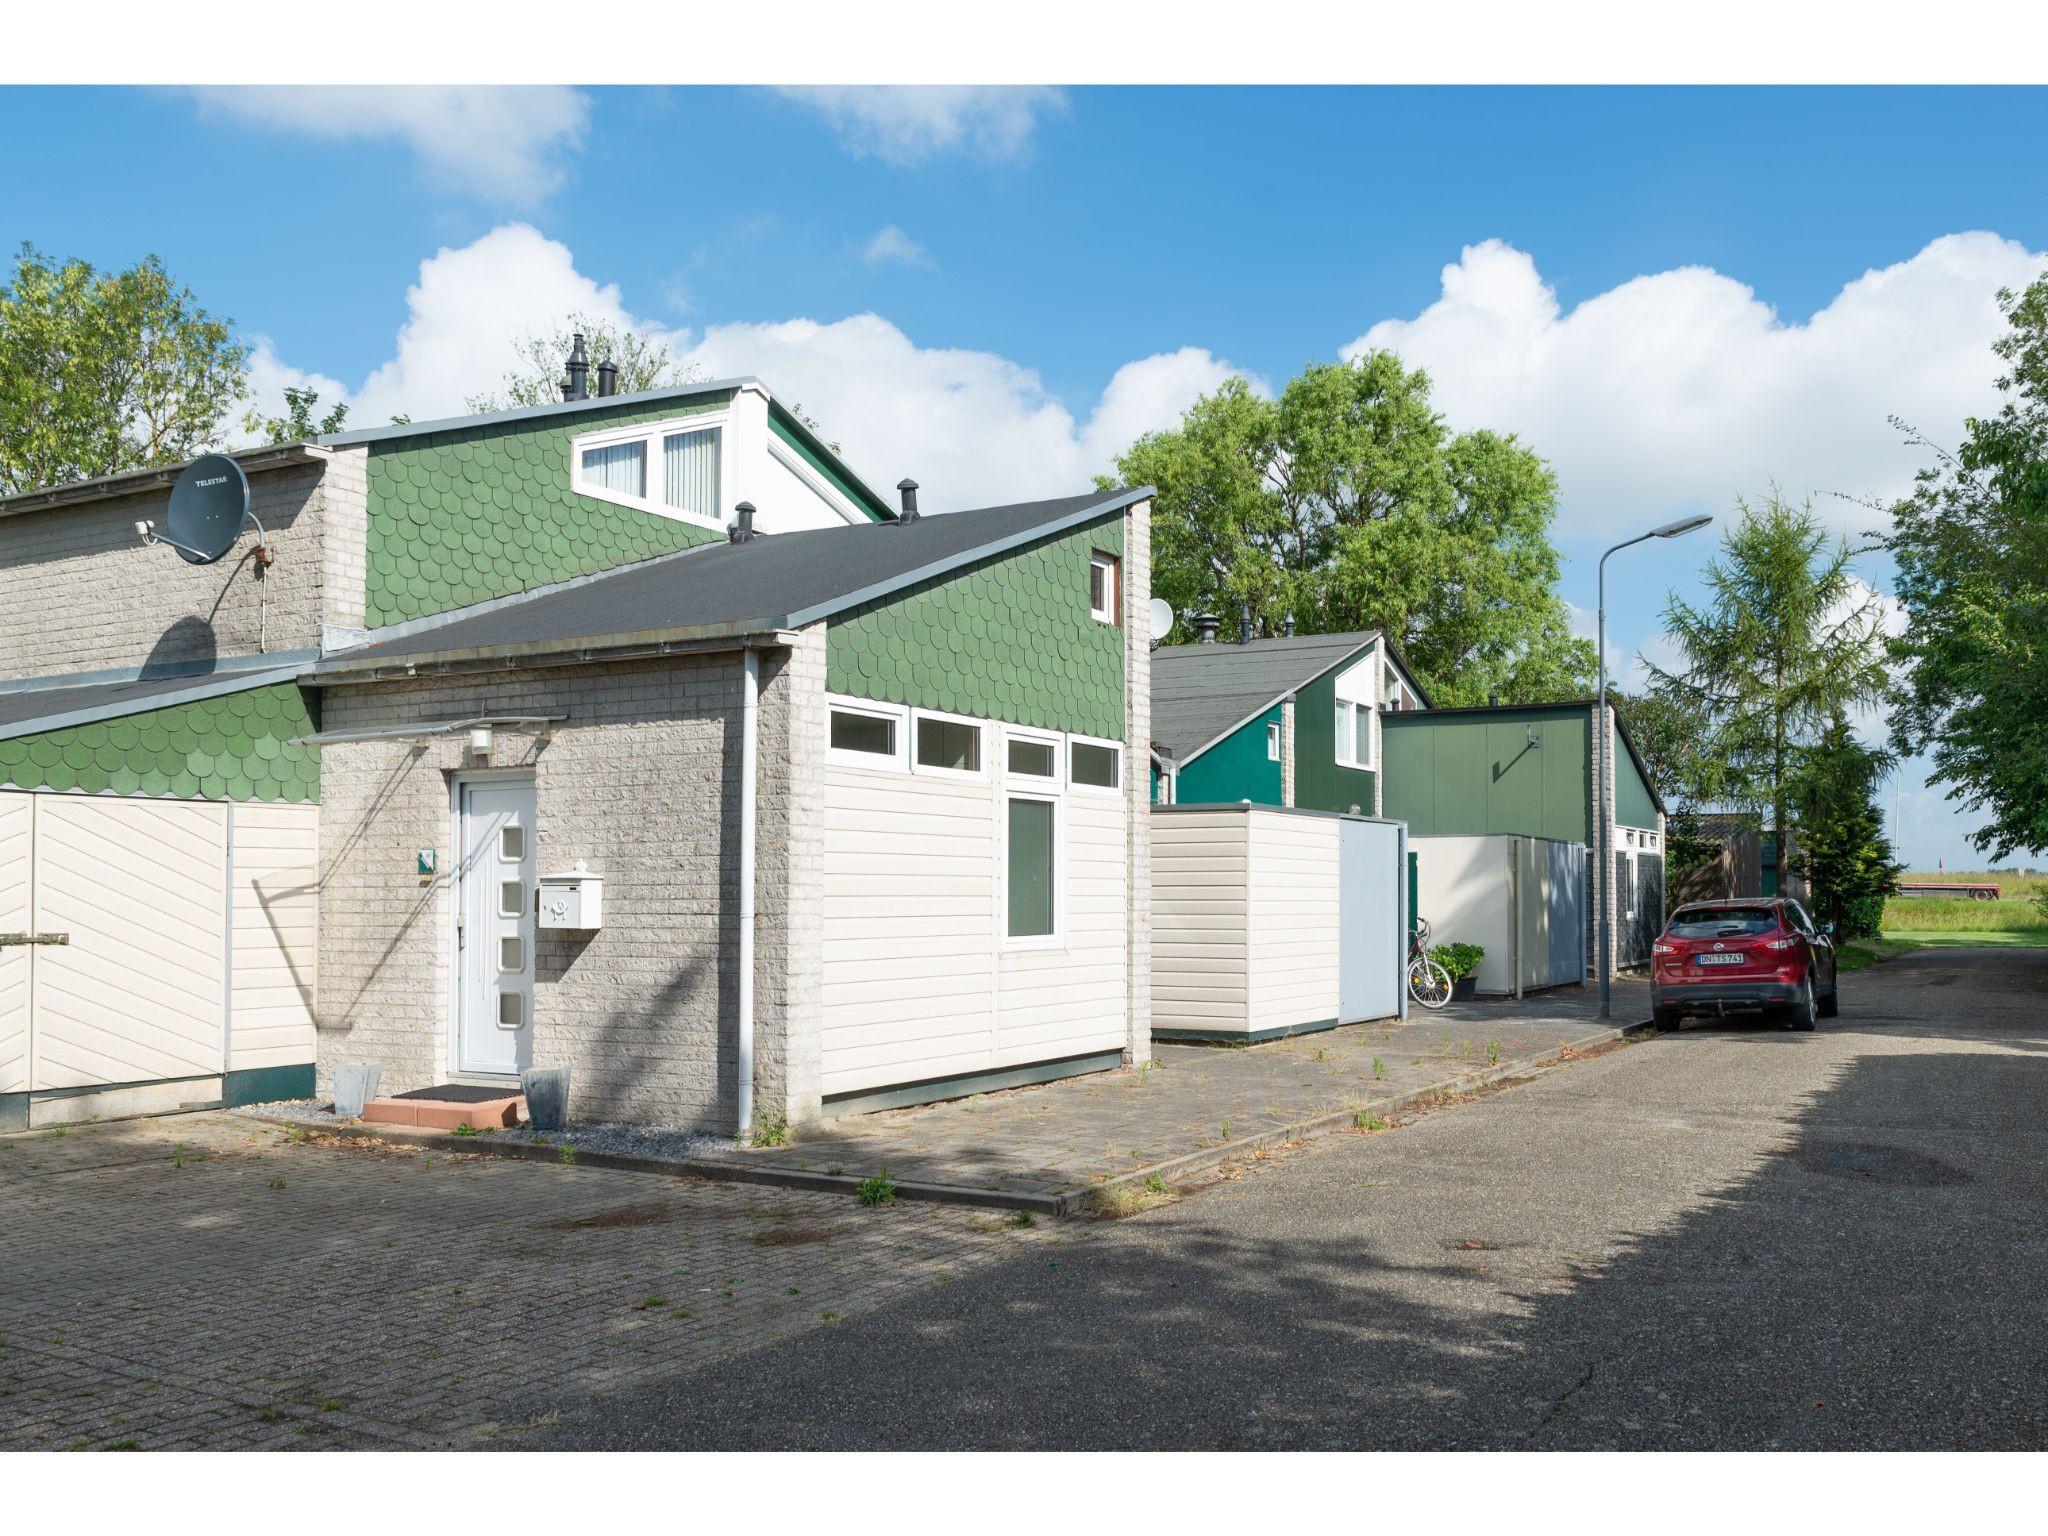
{"points": [[33, 938]]}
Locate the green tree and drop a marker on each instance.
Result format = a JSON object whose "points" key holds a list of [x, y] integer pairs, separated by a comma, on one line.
{"points": [[1670, 734], [643, 361], [1787, 639], [1971, 544], [1843, 851], [298, 424], [1346, 503], [102, 372]]}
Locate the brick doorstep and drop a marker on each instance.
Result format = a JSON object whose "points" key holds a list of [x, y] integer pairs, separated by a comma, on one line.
{"points": [[1065, 1202]]}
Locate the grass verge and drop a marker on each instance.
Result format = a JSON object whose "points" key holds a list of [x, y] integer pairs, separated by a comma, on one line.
{"points": [[1920, 938]]}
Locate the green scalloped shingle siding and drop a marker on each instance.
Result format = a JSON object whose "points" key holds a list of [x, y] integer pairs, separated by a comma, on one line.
{"points": [[462, 517], [1009, 639], [233, 747]]}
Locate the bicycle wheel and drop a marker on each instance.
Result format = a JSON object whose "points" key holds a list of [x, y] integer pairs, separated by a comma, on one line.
{"points": [[1428, 983]]}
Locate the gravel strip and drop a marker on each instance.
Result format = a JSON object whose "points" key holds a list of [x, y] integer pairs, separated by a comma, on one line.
{"points": [[584, 1136]]}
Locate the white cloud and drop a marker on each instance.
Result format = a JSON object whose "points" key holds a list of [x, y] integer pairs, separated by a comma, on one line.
{"points": [[1682, 388], [497, 141], [905, 124], [890, 246], [975, 427]]}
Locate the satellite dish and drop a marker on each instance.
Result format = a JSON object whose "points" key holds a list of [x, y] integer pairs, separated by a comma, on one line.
{"points": [[208, 506], [1162, 618]]}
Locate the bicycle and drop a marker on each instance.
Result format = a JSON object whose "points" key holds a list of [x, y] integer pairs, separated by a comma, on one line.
{"points": [[1428, 982]]}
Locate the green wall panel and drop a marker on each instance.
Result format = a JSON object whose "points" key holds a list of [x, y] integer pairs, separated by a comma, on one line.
{"points": [[1472, 774], [1321, 783], [228, 748], [461, 517], [1236, 768], [1010, 638], [1634, 806]]}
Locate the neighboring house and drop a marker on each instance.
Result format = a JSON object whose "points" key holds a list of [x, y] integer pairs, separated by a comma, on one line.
{"points": [[1735, 868], [214, 893], [1538, 770], [1292, 721]]}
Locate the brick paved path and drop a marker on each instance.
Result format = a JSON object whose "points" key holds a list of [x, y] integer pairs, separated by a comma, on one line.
{"points": [[1058, 1138], [204, 1281]]}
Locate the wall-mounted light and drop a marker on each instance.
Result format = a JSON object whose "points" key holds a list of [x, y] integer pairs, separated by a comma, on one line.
{"points": [[480, 740]]}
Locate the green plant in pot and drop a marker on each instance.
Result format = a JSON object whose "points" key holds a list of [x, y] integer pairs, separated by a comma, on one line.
{"points": [[1460, 963]]}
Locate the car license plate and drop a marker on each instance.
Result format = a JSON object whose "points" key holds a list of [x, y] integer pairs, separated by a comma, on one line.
{"points": [[1718, 959]]}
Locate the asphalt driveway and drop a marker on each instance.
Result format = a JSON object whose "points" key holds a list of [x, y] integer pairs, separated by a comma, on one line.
{"points": [[1734, 1237]]}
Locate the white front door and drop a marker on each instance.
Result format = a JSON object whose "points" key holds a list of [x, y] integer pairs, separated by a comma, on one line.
{"points": [[494, 907]]}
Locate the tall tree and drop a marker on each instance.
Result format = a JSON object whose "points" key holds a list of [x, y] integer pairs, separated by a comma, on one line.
{"points": [[1670, 732], [1788, 639], [1844, 854], [107, 371], [643, 361], [1346, 503], [1971, 544], [299, 421]]}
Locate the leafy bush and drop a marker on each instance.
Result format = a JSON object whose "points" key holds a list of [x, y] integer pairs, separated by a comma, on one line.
{"points": [[1862, 917], [1458, 959]]}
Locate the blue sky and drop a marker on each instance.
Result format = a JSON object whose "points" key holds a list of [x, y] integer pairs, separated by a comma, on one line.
{"points": [[1676, 295]]}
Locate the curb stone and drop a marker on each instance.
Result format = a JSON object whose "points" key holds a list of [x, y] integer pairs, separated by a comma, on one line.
{"points": [[1066, 1203]]}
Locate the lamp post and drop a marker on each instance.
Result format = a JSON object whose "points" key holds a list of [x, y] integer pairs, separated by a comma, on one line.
{"points": [[1603, 805]]}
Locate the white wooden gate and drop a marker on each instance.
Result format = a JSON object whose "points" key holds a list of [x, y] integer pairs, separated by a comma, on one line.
{"points": [[118, 925]]}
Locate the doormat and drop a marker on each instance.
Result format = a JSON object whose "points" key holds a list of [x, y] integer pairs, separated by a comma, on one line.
{"points": [[458, 1093]]}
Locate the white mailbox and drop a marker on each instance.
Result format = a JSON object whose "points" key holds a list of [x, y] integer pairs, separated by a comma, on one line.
{"points": [[573, 900]]}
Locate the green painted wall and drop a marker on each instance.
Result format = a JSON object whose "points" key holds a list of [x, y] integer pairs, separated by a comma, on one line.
{"points": [[1008, 639], [228, 748], [1236, 768], [1321, 783], [461, 517], [1471, 774], [1634, 806]]}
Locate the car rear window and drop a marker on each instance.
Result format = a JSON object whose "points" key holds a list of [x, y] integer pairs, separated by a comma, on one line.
{"points": [[1723, 922]]}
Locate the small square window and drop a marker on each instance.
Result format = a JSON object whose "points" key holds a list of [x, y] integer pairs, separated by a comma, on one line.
{"points": [[1102, 588], [1273, 742], [1033, 759], [874, 734], [512, 843], [512, 898], [1093, 767], [511, 1010], [949, 744], [512, 954]]}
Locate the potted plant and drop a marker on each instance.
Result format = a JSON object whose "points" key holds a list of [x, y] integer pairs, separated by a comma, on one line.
{"points": [[1459, 961]]}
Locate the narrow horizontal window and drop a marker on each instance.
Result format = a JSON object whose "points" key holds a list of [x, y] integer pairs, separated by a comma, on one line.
{"points": [[619, 467], [852, 732], [949, 744], [1033, 759], [1030, 871], [1093, 766]]}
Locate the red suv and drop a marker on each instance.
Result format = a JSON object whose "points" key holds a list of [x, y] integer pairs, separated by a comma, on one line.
{"points": [[1766, 953]]}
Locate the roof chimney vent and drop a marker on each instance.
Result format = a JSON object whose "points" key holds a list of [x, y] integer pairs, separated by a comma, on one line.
{"points": [[607, 378], [1493, 701], [576, 386], [742, 529], [1244, 623], [908, 487], [1287, 626], [1206, 625]]}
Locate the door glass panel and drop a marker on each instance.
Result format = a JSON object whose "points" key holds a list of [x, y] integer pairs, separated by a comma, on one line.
{"points": [[512, 898], [511, 1010], [512, 844], [511, 954]]}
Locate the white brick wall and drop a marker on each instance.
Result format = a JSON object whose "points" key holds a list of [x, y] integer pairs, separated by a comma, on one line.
{"points": [[639, 781], [80, 593]]}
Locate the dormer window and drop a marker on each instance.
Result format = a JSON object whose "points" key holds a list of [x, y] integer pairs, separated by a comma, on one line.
{"points": [[673, 468]]}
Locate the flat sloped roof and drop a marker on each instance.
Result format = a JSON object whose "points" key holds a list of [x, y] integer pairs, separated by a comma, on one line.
{"points": [[1202, 692], [31, 710], [774, 582]]}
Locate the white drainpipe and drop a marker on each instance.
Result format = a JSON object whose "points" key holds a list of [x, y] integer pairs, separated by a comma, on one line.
{"points": [[750, 704]]}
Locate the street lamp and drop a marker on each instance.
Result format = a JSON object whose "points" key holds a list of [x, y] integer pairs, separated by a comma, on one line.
{"points": [[1602, 851]]}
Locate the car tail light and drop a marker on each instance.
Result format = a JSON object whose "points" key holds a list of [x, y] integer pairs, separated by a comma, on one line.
{"points": [[1789, 941], [1662, 948]]}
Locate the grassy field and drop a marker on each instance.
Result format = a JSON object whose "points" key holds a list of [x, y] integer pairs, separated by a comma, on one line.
{"points": [[1938, 921]]}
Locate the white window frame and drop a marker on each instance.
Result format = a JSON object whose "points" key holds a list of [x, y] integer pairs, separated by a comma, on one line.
{"points": [[1067, 766], [1112, 588], [1051, 784], [970, 775], [875, 762], [1365, 712], [1032, 789], [651, 434], [1272, 741]]}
